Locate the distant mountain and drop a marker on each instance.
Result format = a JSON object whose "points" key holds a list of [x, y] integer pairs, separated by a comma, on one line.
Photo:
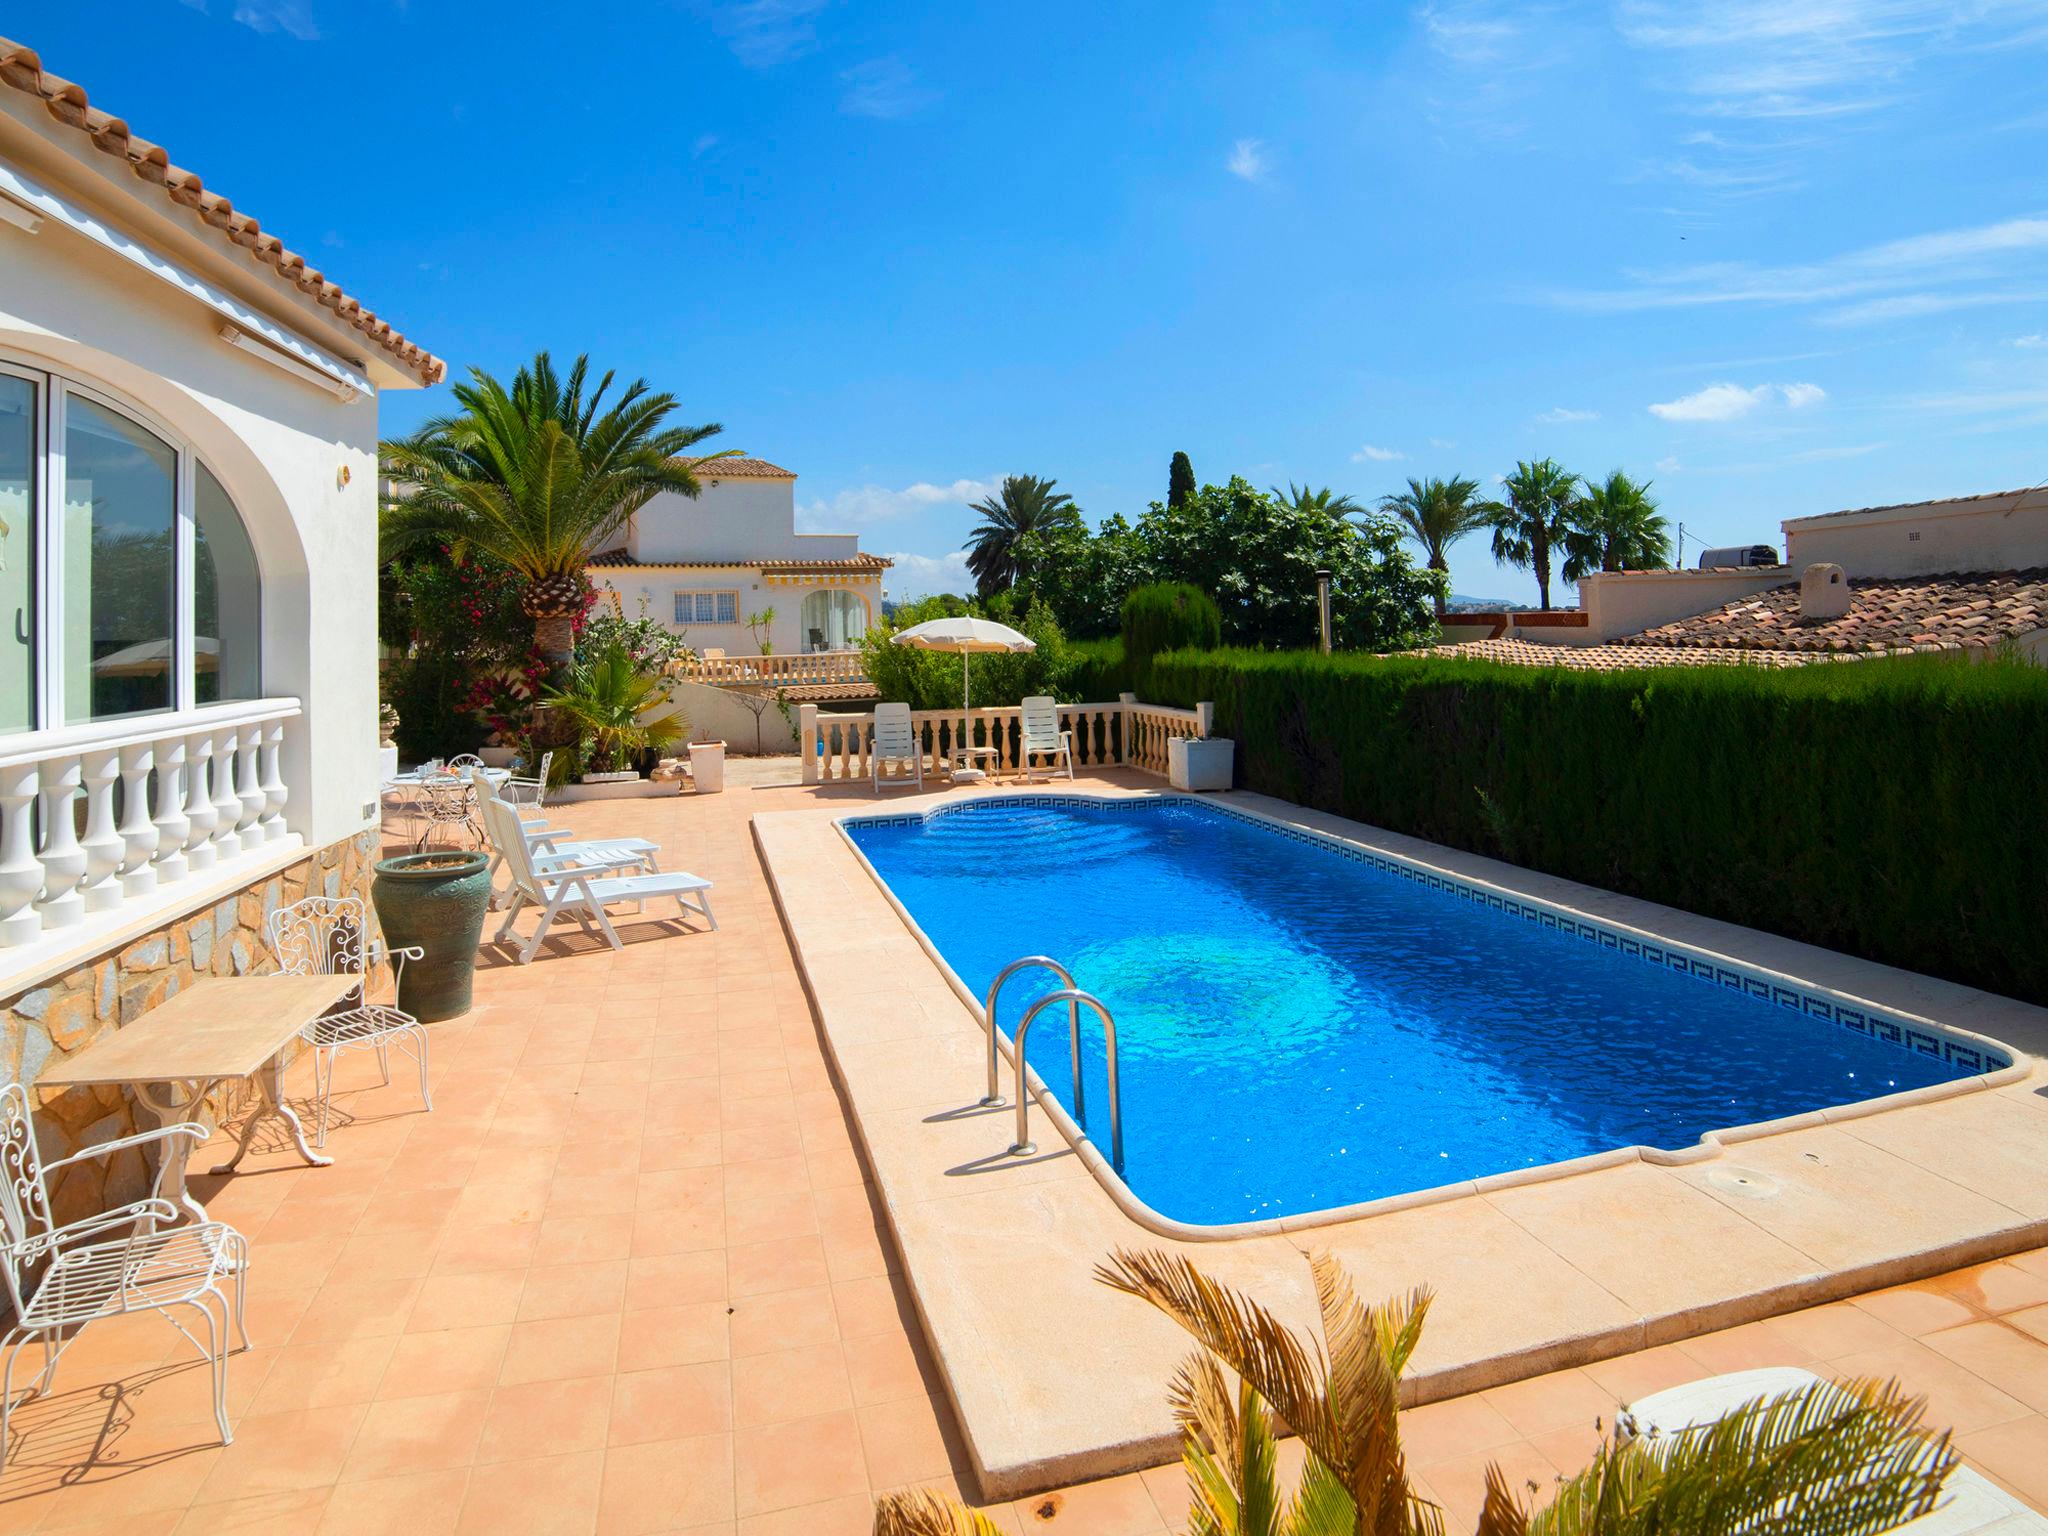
{"points": [[1460, 602]]}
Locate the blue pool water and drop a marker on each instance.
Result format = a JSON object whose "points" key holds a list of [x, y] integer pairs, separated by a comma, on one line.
{"points": [[1300, 1030]]}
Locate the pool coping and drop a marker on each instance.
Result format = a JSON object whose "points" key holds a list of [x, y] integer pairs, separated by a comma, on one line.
{"points": [[1587, 927], [1054, 1380]]}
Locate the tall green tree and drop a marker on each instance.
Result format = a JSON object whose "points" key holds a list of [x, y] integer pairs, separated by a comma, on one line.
{"points": [[1615, 526], [1180, 480], [1325, 501], [540, 475], [1529, 527], [1437, 513], [1025, 505]]}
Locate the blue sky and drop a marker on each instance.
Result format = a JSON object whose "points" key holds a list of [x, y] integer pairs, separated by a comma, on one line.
{"points": [[1780, 258]]}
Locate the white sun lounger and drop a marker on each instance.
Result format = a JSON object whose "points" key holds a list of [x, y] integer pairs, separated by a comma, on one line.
{"points": [[895, 742], [1971, 1504], [1043, 737], [579, 891]]}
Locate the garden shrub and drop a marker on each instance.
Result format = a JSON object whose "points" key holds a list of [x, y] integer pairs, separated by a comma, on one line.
{"points": [[1888, 808], [1169, 616]]}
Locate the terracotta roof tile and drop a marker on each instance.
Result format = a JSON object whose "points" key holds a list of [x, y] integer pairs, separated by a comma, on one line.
{"points": [[1932, 501], [1945, 612], [860, 562], [1615, 658], [21, 68], [744, 469]]}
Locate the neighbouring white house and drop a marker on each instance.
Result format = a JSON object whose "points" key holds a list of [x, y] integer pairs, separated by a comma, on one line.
{"points": [[188, 530], [704, 567]]}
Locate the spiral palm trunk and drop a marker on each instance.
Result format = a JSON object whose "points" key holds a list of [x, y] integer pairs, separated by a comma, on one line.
{"points": [[554, 636]]}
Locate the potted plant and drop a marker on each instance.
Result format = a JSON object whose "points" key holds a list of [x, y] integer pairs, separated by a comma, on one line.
{"points": [[707, 766], [609, 701], [436, 901]]}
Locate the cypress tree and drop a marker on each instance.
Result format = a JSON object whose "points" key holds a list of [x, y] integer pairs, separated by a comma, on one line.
{"points": [[1180, 481]]}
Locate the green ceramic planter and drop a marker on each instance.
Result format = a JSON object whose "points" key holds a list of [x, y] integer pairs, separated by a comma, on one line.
{"points": [[436, 900]]}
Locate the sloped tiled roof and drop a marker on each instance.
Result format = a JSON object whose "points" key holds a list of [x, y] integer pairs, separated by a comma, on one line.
{"points": [[1913, 613], [744, 469], [21, 68], [860, 562], [1614, 658]]}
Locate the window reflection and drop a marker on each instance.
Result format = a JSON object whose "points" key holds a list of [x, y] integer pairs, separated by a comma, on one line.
{"points": [[226, 596], [17, 553], [120, 512]]}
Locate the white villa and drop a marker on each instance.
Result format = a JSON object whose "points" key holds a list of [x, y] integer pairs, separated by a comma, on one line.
{"points": [[705, 567], [188, 678]]}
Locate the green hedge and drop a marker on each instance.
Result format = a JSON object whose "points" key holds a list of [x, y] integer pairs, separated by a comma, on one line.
{"points": [[1892, 809]]}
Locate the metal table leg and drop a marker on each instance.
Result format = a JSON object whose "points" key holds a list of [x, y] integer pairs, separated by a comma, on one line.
{"points": [[270, 1083], [172, 1103]]}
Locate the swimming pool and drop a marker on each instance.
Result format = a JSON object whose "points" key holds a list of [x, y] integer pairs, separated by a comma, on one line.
{"points": [[1306, 1025]]}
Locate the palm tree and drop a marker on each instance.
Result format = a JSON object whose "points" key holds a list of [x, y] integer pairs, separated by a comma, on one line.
{"points": [[1026, 504], [1616, 527], [1844, 1459], [1299, 498], [1533, 520], [610, 701], [540, 476], [1437, 513]]}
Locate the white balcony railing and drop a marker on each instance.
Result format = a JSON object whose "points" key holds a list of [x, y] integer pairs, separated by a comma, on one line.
{"points": [[196, 790], [794, 670], [838, 747]]}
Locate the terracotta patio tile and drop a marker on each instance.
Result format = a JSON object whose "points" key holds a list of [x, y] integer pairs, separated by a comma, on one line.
{"points": [[668, 1485], [276, 1452], [2010, 1359], [446, 1360], [1994, 1287], [583, 1239], [323, 1375], [781, 1264], [541, 1496], [883, 1367], [356, 1309], [561, 1349], [573, 1290], [467, 1301], [905, 1440], [417, 1434], [1913, 1310], [420, 1504], [1116, 1506], [871, 1305], [651, 1337], [1456, 1427], [853, 1515], [546, 1418], [676, 1402], [1957, 1398], [1557, 1401], [676, 1279], [804, 1461], [2015, 1453], [258, 1515], [789, 1384], [783, 1320]]}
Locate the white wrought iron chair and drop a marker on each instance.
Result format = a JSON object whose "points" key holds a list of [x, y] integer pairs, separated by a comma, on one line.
{"points": [[462, 762], [579, 891], [447, 801], [329, 936], [896, 742], [1043, 736], [62, 1279], [529, 792]]}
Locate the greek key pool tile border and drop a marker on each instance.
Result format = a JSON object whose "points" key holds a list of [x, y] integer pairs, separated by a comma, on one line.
{"points": [[1919, 1037]]}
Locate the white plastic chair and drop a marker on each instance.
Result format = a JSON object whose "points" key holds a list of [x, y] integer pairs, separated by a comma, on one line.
{"points": [[329, 936], [87, 1272], [579, 891], [896, 742], [549, 848], [1043, 735]]}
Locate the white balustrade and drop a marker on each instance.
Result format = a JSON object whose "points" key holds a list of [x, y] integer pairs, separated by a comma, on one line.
{"points": [[138, 832], [102, 843], [1128, 734], [164, 798], [794, 670], [200, 815], [63, 860]]}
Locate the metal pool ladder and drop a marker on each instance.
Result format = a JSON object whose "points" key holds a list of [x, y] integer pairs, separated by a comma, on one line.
{"points": [[1075, 999]]}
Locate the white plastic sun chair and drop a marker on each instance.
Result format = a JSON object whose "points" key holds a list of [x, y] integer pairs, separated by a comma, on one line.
{"points": [[329, 936], [1970, 1504], [579, 891], [551, 848], [1044, 737], [62, 1279], [896, 742]]}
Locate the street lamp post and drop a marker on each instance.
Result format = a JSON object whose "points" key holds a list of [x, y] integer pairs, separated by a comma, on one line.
{"points": [[1323, 606]]}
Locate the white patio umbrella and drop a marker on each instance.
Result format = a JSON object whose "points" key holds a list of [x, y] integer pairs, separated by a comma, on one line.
{"points": [[966, 636]]}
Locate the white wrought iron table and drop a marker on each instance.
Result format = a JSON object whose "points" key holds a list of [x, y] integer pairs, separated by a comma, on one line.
{"points": [[216, 1030]]}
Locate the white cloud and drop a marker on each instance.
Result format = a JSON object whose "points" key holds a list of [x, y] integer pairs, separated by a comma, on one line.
{"points": [[1469, 33], [2035, 340], [1377, 455], [764, 33], [885, 88], [853, 510], [294, 18], [1668, 466], [922, 575], [1559, 415], [1919, 274], [702, 145], [1443, 442], [1726, 402], [1248, 161]]}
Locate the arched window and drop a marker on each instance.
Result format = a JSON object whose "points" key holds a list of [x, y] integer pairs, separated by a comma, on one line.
{"points": [[834, 621], [128, 583]]}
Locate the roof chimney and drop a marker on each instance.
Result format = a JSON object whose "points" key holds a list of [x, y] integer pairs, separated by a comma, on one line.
{"points": [[1823, 593]]}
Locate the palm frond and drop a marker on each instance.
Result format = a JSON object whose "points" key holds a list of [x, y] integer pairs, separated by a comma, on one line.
{"points": [[925, 1513]]}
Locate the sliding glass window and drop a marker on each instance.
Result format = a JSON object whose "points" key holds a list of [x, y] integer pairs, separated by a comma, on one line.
{"points": [[20, 456]]}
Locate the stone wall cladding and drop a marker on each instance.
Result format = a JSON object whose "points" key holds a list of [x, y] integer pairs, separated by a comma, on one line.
{"points": [[63, 1016]]}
